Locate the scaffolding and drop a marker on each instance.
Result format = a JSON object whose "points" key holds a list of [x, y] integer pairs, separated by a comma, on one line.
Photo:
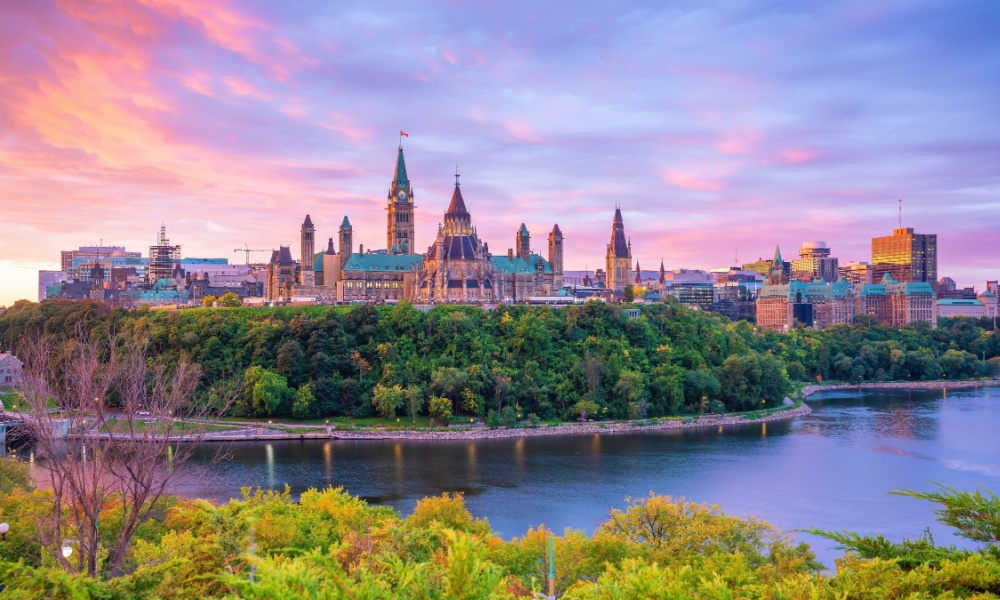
{"points": [[162, 257]]}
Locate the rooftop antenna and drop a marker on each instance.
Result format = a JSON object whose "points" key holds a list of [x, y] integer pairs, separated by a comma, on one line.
{"points": [[456, 174], [900, 213]]}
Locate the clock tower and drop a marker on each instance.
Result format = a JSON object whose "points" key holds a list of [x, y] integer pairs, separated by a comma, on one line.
{"points": [[399, 231]]}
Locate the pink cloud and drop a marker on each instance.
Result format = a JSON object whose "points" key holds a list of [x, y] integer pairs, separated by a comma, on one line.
{"points": [[797, 156], [692, 181]]}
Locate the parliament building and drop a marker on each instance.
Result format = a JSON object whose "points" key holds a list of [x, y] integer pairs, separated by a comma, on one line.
{"points": [[457, 268]]}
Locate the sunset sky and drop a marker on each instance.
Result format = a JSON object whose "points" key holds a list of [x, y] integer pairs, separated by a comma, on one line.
{"points": [[740, 126]]}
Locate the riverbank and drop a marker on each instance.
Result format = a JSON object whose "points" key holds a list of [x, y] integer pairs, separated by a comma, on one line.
{"points": [[273, 433], [901, 385]]}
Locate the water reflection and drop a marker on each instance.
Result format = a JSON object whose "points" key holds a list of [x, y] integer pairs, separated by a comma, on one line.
{"points": [[829, 470]]}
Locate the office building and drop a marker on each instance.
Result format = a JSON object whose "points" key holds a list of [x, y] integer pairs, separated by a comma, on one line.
{"points": [[906, 256]]}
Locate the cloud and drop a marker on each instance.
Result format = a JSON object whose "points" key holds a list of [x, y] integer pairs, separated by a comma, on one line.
{"points": [[228, 121]]}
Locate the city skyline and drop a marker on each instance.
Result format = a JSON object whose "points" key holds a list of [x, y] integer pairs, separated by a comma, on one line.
{"points": [[715, 130]]}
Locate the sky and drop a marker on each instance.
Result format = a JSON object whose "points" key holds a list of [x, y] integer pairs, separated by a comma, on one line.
{"points": [[722, 128]]}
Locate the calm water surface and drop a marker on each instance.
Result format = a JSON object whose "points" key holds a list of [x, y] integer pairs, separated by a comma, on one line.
{"points": [[830, 470]]}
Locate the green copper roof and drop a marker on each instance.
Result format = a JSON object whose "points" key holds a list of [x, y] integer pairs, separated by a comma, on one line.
{"points": [[958, 302], [503, 265], [318, 262], [383, 263], [346, 224], [401, 179], [777, 256], [523, 230]]}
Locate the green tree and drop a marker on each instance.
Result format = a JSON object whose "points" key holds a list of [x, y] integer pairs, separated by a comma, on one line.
{"points": [[629, 294], [230, 300], [584, 408], [440, 409], [208, 301], [386, 399], [304, 406]]}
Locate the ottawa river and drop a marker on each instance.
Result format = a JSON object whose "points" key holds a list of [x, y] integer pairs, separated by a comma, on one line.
{"points": [[829, 470]]}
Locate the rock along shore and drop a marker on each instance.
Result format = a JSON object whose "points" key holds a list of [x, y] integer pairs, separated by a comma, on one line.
{"points": [[589, 428]]}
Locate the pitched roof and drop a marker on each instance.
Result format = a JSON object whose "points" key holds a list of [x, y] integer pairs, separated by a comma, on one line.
{"points": [[555, 230], [383, 262], [618, 242], [457, 207], [329, 247], [401, 179], [523, 230], [285, 255], [504, 265], [777, 256], [308, 222], [346, 224]]}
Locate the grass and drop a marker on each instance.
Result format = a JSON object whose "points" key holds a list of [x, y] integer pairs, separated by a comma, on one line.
{"points": [[160, 426], [422, 422], [14, 401]]}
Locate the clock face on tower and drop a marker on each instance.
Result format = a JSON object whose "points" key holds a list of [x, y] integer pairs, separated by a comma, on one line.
{"points": [[401, 195]]}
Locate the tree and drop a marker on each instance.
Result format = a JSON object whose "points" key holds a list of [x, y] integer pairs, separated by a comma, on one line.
{"points": [[208, 301], [414, 400], [360, 364], [304, 406], [629, 294], [264, 391], [230, 300], [386, 399], [440, 410], [584, 408], [117, 464]]}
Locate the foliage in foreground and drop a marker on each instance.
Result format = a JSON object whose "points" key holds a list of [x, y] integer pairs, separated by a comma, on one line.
{"points": [[332, 545]]}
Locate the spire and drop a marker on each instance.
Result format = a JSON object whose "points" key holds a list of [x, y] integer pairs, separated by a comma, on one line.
{"points": [[663, 272], [401, 180], [777, 257], [308, 222], [524, 230], [638, 273], [555, 230], [329, 247], [346, 224], [618, 243]]}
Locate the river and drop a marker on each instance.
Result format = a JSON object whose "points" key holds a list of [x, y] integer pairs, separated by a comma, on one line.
{"points": [[829, 470]]}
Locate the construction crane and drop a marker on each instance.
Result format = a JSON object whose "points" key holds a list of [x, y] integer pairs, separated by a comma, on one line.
{"points": [[247, 250]]}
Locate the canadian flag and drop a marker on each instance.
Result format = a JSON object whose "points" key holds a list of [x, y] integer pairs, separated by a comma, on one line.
{"points": [[403, 133]]}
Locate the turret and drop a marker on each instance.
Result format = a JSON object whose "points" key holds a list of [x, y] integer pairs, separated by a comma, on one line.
{"points": [[346, 241]]}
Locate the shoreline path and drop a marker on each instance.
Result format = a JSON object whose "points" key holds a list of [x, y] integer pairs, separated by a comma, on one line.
{"points": [[258, 432]]}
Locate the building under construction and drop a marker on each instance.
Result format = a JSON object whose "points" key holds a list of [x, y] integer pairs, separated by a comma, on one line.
{"points": [[162, 257]]}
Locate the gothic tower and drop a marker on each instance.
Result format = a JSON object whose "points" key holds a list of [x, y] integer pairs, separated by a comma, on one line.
{"points": [[618, 264], [346, 241], [777, 275], [400, 228], [307, 276], [523, 243], [556, 257]]}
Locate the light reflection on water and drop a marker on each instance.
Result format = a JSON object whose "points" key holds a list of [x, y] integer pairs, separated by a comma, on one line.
{"points": [[830, 470]]}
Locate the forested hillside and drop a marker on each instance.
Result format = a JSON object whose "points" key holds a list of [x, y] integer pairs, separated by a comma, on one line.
{"points": [[313, 362]]}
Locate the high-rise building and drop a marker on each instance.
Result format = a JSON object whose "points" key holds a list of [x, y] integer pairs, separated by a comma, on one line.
{"points": [[905, 255], [400, 229], [618, 260], [815, 262]]}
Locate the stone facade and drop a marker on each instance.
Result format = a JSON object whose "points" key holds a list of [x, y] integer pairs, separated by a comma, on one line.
{"points": [[458, 267], [618, 259]]}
